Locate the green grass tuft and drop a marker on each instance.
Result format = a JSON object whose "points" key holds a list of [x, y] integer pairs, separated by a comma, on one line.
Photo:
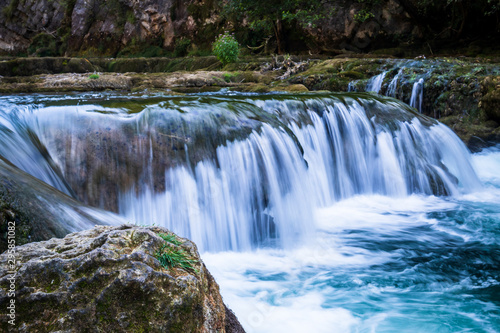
{"points": [[170, 239], [170, 257]]}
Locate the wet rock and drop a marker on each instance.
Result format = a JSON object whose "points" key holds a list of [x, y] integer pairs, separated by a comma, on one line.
{"points": [[109, 279], [291, 88], [37, 210], [47, 65]]}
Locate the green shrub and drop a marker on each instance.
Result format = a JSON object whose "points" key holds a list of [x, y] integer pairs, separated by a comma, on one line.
{"points": [[363, 15], [181, 47], [228, 77], [226, 48], [94, 76]]}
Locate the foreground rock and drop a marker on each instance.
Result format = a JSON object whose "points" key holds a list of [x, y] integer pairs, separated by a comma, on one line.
{"points": [[108, 279]]}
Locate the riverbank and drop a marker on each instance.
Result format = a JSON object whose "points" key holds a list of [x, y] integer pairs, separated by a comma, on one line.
{"points": [[463, 93]]}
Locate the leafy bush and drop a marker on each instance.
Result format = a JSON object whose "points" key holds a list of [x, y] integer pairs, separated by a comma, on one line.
{"points": [[363, 15], [226, 48]]}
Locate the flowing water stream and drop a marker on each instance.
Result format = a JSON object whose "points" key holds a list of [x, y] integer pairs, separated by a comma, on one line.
{"points": [[315, 212]]}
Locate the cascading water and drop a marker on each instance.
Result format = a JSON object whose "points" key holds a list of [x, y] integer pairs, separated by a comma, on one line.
{"points": [[417, 95], [320, 212], [16, 134], [255, 190], [351, 86], [375, 83], [255, 194], [391, 89]]}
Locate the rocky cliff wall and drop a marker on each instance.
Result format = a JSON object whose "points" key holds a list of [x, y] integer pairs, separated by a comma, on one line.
{"points": [[157, 27], [92, 27]]}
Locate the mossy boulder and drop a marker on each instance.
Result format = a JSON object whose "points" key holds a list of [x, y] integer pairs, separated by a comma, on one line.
{"points": [[108, 279]]}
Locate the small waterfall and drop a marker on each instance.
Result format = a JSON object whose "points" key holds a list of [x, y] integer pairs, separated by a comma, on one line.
{"points": [[235, 173], [352, 86], [417, 95], [393, 85], [261, 190], [375, 83]]}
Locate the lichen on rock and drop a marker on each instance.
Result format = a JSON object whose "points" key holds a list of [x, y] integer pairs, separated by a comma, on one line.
{"points": [[107, 279]]}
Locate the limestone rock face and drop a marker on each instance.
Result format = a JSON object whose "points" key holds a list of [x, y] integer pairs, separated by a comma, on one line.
{"points": [[92, 27], [108, 279], [343, 31], [20, 19]]}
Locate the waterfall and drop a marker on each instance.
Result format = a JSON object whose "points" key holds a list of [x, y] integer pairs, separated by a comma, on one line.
{"points": [[235, 173], [375, 83], [391, 89], [417, 95]]}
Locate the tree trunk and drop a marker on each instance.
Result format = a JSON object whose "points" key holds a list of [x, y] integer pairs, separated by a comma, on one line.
{"points": [[277, 32]]}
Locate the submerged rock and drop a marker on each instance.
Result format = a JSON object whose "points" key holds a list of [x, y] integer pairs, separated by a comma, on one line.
{"points": [[109, 279]]}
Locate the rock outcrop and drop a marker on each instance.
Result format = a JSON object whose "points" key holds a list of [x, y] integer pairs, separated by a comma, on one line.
{"points": [[110, 279], [460, 92]]}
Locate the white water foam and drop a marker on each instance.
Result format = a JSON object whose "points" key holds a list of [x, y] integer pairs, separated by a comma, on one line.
{"points": [[331, 283]]}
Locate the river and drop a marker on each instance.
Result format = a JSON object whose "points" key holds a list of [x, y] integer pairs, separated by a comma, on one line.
{"points": [[314, 212]]}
